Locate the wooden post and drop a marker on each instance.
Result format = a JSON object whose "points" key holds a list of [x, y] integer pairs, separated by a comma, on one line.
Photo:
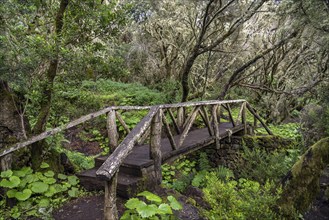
{"points": [[180, 117], [6, 162], [112, 130], [155, 145], [215, 125], [243, 118], [110, 207]]}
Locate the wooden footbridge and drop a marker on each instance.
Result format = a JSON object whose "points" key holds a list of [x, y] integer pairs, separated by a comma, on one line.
{"points": [[164, 133]]}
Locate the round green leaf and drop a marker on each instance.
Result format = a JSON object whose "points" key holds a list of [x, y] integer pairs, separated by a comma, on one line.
{"points": [[73, 180], [62, 176], [6, 174], [39, 187], [22, 196], [134, 203], [49, 181], [23, 172], [147, 211], [31, 178], [150, 196], [11, 193], [49, 173], [74, 192], [174, 203], [13, 182], [164, 209], [44, 165], [51, 191]]}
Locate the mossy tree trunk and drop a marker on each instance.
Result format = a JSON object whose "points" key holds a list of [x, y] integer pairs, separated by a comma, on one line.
{"points": [[47, 90], [301, 185]]}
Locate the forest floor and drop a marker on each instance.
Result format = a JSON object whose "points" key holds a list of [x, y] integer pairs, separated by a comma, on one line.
{"points": [[91, 207]]}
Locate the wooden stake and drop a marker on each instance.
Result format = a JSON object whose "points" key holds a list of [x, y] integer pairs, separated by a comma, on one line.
{"points": [[155, 145], [244, 118]]}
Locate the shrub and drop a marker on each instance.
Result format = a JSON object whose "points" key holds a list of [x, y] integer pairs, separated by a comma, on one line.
{"points": [[242, 199]]}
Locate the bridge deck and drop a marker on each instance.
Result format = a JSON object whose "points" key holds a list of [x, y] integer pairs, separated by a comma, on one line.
{"points": [[196, 139]]}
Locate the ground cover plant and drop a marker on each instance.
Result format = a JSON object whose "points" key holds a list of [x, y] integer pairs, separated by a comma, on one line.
{"points": [[35, 193]]}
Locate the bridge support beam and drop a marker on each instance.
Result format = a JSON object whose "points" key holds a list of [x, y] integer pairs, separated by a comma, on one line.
{"points": [[155, 145]]}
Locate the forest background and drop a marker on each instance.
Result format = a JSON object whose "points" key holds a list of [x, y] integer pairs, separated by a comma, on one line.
{"points": [[66, 58]]}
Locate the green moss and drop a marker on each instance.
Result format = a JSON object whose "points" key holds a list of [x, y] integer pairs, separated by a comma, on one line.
{"points": [[302, 185], [270, 142]]}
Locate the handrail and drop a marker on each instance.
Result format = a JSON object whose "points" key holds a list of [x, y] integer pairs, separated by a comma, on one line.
{"points": [[113, 162], [71, 124]]}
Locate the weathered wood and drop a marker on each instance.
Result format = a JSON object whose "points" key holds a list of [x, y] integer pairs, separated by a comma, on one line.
{"points": [[155, 144], [215, 125], [102, 112], [113, 162], [144, 136], [178, 131], [244, 118], [239, 115], [110, 207], [188, 126], [112, 131], [205, 118], [252, 111], [180, 117], [122, 122], [168, 131], [6, 162], [230, 114], [196, 108]]}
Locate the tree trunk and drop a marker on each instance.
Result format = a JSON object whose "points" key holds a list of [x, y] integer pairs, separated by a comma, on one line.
{"points": [[12, 129], [47, 91], [301, 185]]}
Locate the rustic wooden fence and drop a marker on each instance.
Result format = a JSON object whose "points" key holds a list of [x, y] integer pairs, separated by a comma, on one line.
{"points": [[176, 119]]}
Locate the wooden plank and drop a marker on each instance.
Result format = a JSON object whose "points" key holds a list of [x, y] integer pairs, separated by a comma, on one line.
{"points": [[178, 131], [155, 144], [168, 131], [113, 162], [122, 122], [252, 111], [188, 126]]}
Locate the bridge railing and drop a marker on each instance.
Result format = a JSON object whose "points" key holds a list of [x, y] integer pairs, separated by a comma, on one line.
{"points": [[176, 119], [182, 117]]}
